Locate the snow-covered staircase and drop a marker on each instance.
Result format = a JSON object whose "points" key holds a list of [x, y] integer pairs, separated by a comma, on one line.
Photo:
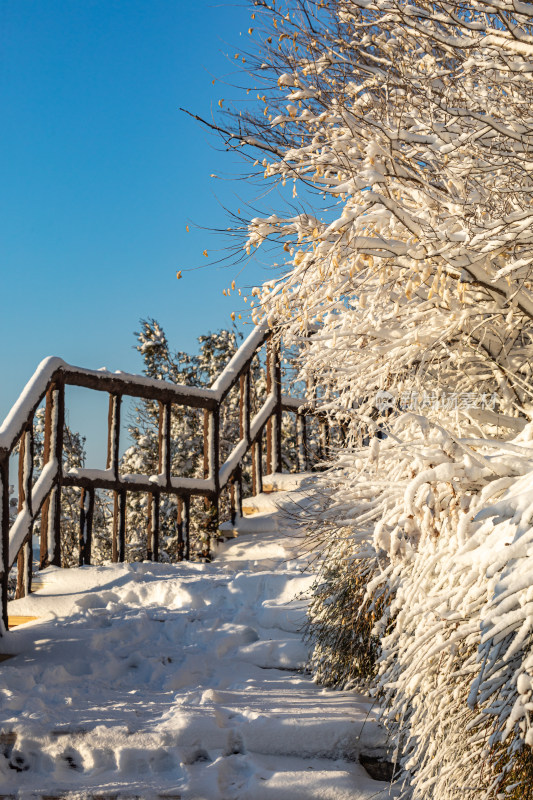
{"points": [[290, 493], [153, 680]]}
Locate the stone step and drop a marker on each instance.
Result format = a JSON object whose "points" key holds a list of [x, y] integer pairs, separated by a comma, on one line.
{"points": [[258, 523], [128, 796], [286, 481], [267, 502], [15, 620], [37, 583]]}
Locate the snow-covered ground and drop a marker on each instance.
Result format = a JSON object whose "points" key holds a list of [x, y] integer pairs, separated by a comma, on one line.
{"points": [[151, 680]]}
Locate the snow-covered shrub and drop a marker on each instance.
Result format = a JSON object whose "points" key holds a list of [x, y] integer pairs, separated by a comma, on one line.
{"points": [[445, 545], [342, 617]]}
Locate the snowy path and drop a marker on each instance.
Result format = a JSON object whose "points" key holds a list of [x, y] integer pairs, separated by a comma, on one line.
{"points": [[151, 680]]}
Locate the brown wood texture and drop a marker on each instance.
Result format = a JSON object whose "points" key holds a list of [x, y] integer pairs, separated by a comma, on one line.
{"points": [[113, 434], [257, 464], [301, 441], [86, 526], [25, 474], [44, 559], [165, 419], [4, 532], [152, 544], [275, 464]]}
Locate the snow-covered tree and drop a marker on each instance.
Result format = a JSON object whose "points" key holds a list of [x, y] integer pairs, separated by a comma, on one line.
{"points": [[398, 136]]}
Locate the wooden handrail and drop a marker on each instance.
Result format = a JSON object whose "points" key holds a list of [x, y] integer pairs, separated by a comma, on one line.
{"points": [[49, 382]]}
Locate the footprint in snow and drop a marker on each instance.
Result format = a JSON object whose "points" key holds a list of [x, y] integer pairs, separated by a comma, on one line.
{"points": [[194, 755], [234, 744], [234, 775]]}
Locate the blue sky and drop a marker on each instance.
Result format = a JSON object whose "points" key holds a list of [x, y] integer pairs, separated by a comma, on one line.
{"points": [[100, 172]]}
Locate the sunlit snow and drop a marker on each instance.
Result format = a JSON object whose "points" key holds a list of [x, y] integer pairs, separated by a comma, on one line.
{"points": [[186, 680]]}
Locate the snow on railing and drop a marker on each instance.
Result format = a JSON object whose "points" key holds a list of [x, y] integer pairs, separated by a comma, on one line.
{"points": [[28, 401], [239, 361], [44, 496]]}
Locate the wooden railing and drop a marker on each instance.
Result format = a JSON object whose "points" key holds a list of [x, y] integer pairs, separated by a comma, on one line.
{"points": [[43, 496]]}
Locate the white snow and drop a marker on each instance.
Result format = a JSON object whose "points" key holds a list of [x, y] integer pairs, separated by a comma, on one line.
{"points": [[286, 481], [155, 680]]}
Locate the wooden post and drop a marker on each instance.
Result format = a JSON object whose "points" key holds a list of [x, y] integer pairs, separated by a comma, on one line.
{"points": [[244, 407], [119, 527], [54, 421], [4, 532], [277, 465], [164, 441], [186, 523], [118, 544], [112, 463], [86, 526], [54, 527], [238, 491], [58, 424], [24, 567], [149, 532], [155, 526], [26, 469], [114, 540], [179, 526], [44, 560], [113, 434], [257, 464], [87, 556], [27, 552], [301, 441], [233, 511], [152, 547], [236, 495], [274, 463], [211, 468], [83, 527], [244, 428], [25, 476]]}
